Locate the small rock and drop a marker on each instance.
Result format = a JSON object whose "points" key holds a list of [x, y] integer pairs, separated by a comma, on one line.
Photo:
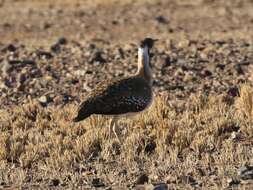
{"points": [[11, 48], [160, 19], [233, 135], [220, 66], [86, 87], [62, 41], [233, 91], [171, 179], [239, 69], [54, 182], [115, 22], [183, 43], [188, 179], [206, 73], [245, 172], [142, 179], [15, 62], [44, 54], [150, 147], [80, 72], [161, 186], [28, 62], [232, 182], [55, 48], [96, 182], [44, 100], [98, 57], [166, 62]]}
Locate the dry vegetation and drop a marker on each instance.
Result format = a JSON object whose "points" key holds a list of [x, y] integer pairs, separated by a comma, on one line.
{"points": [[200, 144], [197, 134]]}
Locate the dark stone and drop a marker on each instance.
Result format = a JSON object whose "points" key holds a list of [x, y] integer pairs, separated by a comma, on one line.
{"points": [[115, 22], [233, 182], [161, 19], [96, 182], [74, 81], [98, 57], [54, 182], [142, 179], [44, 54], [220, 42], [233, 91], [55, 48], [11, 48], [161, 186], [220, 66], [62, 41], [239, 69], [14, 62], [207, 73], [22, 78], [175, 87], [166, 62], [150, 147], [28, 62], [188, 179]]}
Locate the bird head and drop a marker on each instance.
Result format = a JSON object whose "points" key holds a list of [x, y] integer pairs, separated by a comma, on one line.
{"points": [[148, 42]]}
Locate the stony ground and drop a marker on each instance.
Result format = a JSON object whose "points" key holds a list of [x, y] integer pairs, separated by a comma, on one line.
{"points": [[197, 135]]}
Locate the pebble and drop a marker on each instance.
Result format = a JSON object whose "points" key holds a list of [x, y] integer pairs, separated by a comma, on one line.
{"points": [[232, 182], [160, 19], [44, 54], [206, 73], [80, 73], [142, 179], [96, 182], [233, 91], [150, 147], [239, 69], [98, 57], [44, 100], [62, 41], [165, 62], [54, 182], [10, 47], [161, 186], [245, 172]]}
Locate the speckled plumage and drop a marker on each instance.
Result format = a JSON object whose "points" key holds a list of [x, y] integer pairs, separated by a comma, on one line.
{"points": [[116, 97], [123, 95]]}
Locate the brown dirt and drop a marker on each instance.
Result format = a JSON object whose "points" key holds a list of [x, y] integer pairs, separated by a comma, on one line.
{"points": [[198, 133]]}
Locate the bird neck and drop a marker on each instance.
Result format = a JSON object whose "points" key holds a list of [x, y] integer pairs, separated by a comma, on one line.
{"points": [[144, 69]]}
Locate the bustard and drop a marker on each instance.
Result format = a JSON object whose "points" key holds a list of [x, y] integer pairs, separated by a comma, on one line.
{"points": [[122, 96]]}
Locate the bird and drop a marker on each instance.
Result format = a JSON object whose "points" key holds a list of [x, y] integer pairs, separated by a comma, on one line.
{"points": [[124, 96]]}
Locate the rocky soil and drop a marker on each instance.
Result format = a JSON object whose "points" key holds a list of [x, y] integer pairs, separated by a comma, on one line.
{"points": [[54, 52], [207, 49]]}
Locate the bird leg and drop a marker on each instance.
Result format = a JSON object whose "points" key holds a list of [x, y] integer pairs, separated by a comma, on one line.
{"points": [[112, 121], [113, 127]]}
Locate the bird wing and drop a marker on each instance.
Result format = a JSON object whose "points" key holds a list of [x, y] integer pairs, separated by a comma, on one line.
{"points": [[118, 97]]}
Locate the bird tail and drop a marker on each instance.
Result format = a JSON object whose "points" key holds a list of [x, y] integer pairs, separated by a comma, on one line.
{"points": [[80, 117], [83, 112]]}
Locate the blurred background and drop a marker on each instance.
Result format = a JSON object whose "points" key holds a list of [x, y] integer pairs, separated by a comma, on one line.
{"points": [[60, 48], [112, 20]]}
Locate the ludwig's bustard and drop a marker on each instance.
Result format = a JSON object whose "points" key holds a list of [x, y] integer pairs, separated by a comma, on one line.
{"points": [[122, 96]]}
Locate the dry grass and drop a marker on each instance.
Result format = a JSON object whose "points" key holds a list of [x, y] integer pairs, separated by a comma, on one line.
{"points": [[205, 138]]}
